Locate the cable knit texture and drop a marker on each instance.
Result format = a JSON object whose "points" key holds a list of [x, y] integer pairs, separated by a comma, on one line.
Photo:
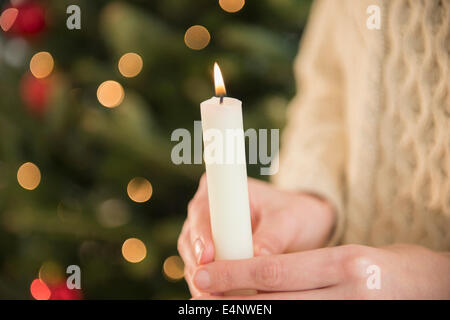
{"points": [[369, 129]]}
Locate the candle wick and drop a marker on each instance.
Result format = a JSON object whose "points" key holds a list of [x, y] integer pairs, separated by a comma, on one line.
{"points": [[221, 99]]}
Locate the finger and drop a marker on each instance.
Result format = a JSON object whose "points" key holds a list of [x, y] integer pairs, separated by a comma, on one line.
{"points": [[184, 246], [266, 236], [288, 272], [200, 227], [189, 261], [200, 232], [186, 253], [188, 276], [329, 293]]}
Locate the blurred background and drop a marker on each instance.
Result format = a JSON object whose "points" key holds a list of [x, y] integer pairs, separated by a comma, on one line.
{"points": [[85, 122]]}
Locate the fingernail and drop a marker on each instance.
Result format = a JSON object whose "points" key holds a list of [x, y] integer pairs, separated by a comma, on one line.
{"points": [[264, 252], [198, 249], [202, 279]]}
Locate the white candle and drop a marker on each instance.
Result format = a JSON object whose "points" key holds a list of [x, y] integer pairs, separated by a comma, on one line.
{"points": [[226, 175]]}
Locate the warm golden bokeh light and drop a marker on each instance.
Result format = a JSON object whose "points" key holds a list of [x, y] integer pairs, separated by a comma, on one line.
{"points": [[41, 64], [39, 290], [173, 268], [197, 37], [218, 81], [232, 5], [134, 250], [51, 273], [29, 176], [139, 189], [130, 64], [110, 94]]}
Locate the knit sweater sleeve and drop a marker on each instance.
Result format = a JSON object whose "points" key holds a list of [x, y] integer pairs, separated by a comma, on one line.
{"points": [[312, 157]]}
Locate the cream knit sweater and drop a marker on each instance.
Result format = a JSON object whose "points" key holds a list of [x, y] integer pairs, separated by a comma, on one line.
{"points": [[370, 127]]}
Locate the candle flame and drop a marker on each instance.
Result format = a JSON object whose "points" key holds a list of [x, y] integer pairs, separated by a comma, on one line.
{"points": [[218, 81]]}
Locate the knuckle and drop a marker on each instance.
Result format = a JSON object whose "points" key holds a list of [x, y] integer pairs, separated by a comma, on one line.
{"points": [[194, 208], [269, 273], [180, 245], [225, 278], [202, 180], [197, 206], [191, 206]]}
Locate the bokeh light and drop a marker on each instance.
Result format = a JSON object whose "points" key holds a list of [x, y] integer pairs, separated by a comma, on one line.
{"points": [[7, 18], [41, 64], [113, 213], [197, 37], [39, 290], [31, 18], [29, 176], [139, 189], [130, 64], [110, 94], [173, 268], [89, 250], [15, 52], [51, 273], [134, 250], [232, 5]]}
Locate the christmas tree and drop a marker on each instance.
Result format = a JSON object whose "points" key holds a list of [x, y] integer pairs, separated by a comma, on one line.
{"points": [[86, 116]]}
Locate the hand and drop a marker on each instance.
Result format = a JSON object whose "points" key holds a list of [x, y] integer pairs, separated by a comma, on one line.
{"points": [[406, 272], [281, 222]]}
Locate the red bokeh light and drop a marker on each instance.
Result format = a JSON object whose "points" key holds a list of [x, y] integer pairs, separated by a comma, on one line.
{"points": [[39, 290], [7, 18], [35, 93], [61, 292], [30, 19]]}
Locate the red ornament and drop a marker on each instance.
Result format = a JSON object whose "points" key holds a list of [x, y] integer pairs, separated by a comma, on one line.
{"points": [[30, 19], [61, 292], [35, 93]]}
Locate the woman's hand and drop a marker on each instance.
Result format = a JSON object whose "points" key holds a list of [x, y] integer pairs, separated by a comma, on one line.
{"points": [[281, 222], [345, 272]]}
